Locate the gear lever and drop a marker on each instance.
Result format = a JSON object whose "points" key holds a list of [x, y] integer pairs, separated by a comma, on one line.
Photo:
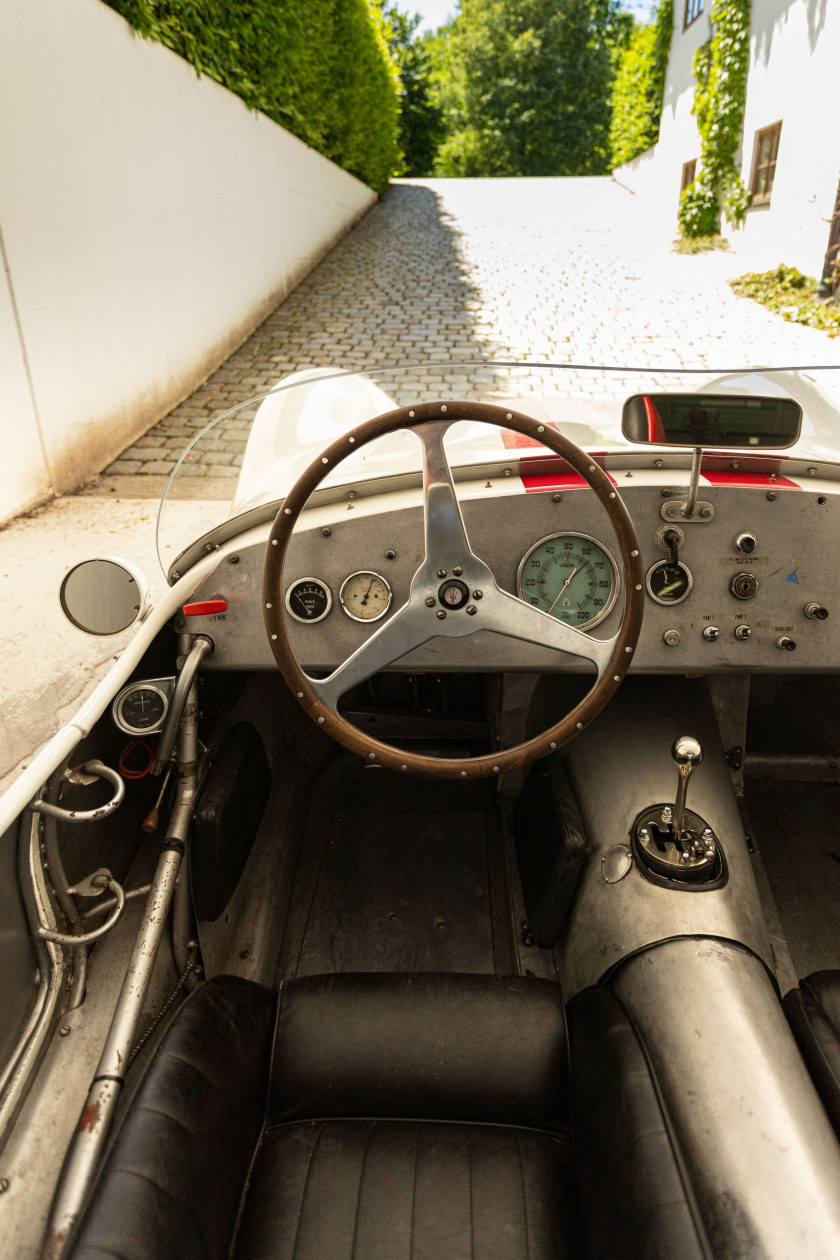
{"points": [[675, 844], [688, 754]]}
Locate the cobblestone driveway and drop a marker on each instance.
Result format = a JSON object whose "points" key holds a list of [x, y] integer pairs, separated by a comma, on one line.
{"points": [[552, 269]]}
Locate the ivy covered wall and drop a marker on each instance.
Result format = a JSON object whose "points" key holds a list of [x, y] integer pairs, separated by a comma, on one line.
{"points": [[321, 69]]}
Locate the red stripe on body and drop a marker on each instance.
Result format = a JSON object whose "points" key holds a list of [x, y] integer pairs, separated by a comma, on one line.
{"points": [[758, 480]]}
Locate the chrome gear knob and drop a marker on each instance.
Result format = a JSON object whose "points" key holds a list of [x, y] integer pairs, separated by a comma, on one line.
{"points": [[688, 754]]}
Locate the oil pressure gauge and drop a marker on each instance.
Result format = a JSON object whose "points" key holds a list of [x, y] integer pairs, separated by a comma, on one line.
{"points": [[365, 596]]}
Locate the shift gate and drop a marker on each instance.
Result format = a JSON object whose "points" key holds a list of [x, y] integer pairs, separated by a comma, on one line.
{"points": [[673, 844]]}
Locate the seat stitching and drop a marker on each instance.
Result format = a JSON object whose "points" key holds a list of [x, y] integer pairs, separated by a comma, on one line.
{"points": [[305, 1187], [413, 1196], [524, 1203], [359, 1195]]}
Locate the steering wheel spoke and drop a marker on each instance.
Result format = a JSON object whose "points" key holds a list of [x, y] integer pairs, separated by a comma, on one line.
{"points": [[399, 635], [505, 614], [447, 544]]}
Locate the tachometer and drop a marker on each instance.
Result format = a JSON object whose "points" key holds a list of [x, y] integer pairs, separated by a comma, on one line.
{"points": [[308, 599], [570, 576]]}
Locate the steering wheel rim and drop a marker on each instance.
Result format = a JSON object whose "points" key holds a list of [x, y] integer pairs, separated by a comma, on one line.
{"points": [[612, 657]]}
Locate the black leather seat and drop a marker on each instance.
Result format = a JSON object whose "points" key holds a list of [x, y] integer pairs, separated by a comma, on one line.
{"points": [[813, 1012], [407, 1115]]}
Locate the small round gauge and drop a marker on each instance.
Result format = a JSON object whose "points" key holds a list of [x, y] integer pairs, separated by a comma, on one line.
{"points": [[140, 709], [365, 596], [669, 583], [571, 577], [308, 599]]}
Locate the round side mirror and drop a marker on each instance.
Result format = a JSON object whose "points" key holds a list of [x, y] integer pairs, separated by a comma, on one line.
{"points": [[104, 596]]}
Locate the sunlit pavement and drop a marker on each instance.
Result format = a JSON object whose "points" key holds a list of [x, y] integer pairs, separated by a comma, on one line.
{"points": [[560, 270]]}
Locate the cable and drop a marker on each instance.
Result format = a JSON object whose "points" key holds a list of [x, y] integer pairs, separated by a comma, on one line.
{"points": [[132, 746], [191, 961]]}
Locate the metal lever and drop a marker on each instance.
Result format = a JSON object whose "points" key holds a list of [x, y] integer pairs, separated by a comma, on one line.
{"points": [[688, 754]]}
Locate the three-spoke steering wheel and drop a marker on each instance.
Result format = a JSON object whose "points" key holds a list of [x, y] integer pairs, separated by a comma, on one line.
{"points": [[448, 551]]}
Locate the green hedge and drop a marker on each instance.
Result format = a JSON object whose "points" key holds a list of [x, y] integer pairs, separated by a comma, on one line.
{"points": [[638, 87], [320, 68]]}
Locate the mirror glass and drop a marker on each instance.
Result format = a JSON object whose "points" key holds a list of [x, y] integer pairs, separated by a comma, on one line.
{"points": [[711, 420], [103, 596]]}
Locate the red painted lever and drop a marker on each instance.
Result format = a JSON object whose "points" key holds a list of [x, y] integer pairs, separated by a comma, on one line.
{"points": [[205, 607]]}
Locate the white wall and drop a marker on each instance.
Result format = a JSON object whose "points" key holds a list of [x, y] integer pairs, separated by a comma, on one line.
{"points": [[794, 67], [794, 55], [150, 222]]}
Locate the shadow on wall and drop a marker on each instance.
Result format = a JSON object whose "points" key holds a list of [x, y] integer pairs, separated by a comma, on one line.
{"points": [[775, 15]]}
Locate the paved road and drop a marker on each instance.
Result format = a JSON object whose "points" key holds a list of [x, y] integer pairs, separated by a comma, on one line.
{"points": [[564, 270]]}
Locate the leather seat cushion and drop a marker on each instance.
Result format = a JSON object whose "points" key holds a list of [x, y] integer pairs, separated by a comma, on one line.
{"points": [[813, 1012], [399, 1190], [427, 1046]]}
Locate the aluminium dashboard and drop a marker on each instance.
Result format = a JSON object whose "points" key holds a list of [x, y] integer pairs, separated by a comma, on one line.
{"points": [[795, 564]]}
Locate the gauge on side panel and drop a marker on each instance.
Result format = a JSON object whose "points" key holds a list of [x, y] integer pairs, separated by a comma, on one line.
{"points": [[365, 596], [570, 576], [141, 707], [308, 599], [669, 583]]}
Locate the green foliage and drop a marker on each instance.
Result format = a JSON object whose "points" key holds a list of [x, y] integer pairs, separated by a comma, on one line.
{"points": [[792, 295], [524, 86], [720, 72], [699, 212], [322, 69], [421, 117], [701, 244], [638, 87]]}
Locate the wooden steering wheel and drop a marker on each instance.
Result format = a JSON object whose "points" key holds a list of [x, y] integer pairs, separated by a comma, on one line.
{"points": [[417, 621]]}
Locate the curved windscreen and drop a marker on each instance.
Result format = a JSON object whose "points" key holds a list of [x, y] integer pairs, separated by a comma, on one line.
{"points": [[248, 457]]}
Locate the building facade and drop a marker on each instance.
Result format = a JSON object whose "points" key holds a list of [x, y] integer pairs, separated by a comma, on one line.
{"points": [[790, 144]]}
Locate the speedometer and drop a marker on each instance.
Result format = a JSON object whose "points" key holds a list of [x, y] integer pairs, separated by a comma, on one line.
{"points": [[571, 577]]}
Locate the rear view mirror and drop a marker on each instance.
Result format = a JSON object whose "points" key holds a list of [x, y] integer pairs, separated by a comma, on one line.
{"points": [[711, 420], [103, 596]]}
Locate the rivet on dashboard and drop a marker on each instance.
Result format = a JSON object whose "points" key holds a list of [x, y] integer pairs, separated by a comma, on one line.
{"points": [[557, 498], [666, 494], [430, 601], [660, 463], [457, 570], [351, 494], [471, 610], [706, 512], [441, 573], [507, 472], [477, 594], [233, 559], [440, 614], [771, 495], [735, 464], [389, 554], [812, 472], [326, 531]]}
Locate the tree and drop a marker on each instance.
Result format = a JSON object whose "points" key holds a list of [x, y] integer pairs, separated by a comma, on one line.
{"points": [[421, 118], [525, 86]]}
